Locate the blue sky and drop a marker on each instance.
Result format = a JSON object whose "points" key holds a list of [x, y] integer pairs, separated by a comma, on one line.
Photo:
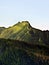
{"points": [[35, 11]]}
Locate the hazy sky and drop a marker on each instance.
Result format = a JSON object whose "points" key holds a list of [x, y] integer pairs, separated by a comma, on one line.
{"points": [[35, 11]]}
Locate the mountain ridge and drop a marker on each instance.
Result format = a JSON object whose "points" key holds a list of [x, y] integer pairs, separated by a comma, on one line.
{"points": [[23, 31]]}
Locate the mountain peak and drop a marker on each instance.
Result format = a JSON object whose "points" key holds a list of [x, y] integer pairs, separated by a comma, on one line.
{"points": [[25, 32], [23, 23]]}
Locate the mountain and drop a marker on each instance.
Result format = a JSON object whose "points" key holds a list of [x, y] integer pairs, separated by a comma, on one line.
{"points": [[21, 44], [14, 52], [23, 31]]}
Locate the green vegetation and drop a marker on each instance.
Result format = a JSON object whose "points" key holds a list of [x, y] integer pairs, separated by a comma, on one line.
{"points": [[14, 52], [24, 32]]}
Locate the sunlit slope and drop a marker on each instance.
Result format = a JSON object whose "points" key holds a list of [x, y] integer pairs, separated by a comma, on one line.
{"points": [[19, 31], [23, 31]]}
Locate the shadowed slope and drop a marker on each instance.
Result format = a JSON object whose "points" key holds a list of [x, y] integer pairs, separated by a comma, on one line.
{"points": [[14, 52]]}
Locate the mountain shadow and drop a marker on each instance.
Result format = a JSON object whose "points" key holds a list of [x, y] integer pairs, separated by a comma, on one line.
{"points": [[14, 52]]}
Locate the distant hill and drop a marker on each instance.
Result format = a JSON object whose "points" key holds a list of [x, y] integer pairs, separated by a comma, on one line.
{"points": [[14, 52], [23, 31]]}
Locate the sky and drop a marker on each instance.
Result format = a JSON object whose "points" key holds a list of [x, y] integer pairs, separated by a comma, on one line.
{"points": [[34, 11]]}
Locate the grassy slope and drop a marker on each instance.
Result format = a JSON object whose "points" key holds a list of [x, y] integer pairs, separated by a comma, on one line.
{"points": [[24, 32], [20, 31]]}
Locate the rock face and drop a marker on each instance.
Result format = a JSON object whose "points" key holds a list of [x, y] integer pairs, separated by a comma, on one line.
{"points": [[24, 32]]}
